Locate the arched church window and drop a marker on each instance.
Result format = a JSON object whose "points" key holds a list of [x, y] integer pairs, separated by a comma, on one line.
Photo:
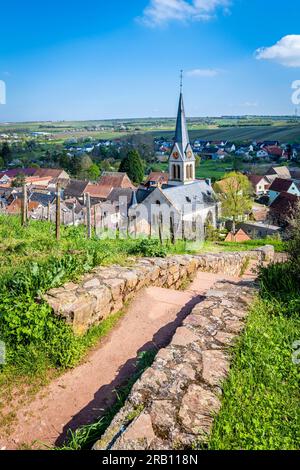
{"points": [[178, 172], [174, 172], [188, 172]]}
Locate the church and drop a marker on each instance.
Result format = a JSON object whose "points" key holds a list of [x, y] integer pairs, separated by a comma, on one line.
{"points": [[185, 205]]}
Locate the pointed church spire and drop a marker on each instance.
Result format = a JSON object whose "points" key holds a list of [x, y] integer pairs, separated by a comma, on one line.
{"points": [[182, 159], [181, 134]]}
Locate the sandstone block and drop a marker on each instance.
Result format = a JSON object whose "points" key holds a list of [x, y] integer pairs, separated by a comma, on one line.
{"points": [[197, 409], [215, 367]]}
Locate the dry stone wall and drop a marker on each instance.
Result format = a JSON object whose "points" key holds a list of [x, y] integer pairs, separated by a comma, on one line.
{"points": [[105, 290], [173, 404]]}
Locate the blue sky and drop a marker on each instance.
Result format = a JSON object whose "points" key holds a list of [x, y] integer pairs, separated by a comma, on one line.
{"points": [[115, 59]]}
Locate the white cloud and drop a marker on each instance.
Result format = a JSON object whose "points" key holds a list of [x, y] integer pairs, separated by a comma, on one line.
{"points": [[285, 52], [160, 12], [202, 73]]}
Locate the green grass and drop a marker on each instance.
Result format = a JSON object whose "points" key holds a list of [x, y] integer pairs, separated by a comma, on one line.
{"points": [[279, 245], [261, 407], [261, 397]]}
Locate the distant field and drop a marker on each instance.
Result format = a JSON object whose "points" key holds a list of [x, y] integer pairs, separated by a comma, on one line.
{"points": [[280, 133], [255, 128]]}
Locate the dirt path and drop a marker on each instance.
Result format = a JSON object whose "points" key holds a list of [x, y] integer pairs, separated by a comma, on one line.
{"points": [[78, 396]]}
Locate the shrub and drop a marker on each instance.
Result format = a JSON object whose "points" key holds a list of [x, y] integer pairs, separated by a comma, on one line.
{"points": [[147, 247], [279, 281]]}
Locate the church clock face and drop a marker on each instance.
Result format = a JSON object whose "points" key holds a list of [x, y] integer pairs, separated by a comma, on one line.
{"points": [[176, 155]]}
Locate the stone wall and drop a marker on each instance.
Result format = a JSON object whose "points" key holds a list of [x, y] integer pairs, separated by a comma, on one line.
{"points": [[105, 290], [173, 404]]}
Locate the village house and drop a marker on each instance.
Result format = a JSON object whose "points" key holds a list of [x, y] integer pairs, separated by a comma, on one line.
{"points": [[259, 230], [260, 184], [278, 172], [156, 178], [281, 185], [281, 208], [52, 173], [262, 154], [239, 237]]}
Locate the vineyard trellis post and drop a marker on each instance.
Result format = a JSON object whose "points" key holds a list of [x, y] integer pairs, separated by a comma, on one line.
{"points": [[57, 220], [88, 216], [24, 205]]}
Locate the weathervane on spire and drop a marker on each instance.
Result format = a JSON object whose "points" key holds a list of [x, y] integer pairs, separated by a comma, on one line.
{"points": [[181, 80]]}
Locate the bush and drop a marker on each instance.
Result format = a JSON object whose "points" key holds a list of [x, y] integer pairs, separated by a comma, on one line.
{"points": [[279, 281], [147, 247]]}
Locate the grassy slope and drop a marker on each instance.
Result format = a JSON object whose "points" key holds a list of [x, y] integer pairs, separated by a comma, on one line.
{"points": [[37, 242], [36, 353], [261, 397]]}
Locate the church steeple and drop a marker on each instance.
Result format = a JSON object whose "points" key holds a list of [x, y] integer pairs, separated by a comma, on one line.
{"points": [[182, 159], [181, 133]]}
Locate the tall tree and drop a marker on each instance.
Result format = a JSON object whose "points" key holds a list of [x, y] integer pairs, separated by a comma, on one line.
{"points": [[235, 195], [6, 154], [94, 172], [85, 164], [132, 164]]}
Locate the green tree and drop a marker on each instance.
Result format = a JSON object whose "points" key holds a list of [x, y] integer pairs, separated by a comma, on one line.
{"points": [[6, 154], [197, 161], [94, 172], [235, 195], [132, 164], [19, 180], [85, 164]]}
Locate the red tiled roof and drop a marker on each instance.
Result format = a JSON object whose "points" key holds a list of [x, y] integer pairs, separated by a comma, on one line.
{"points": [[115, 180], [158, 176], [18, 171], [98, 190], [281, 185], [255, 179], [15, 206], [50, 172], [284, 203], [274, 150], [239, 237]]}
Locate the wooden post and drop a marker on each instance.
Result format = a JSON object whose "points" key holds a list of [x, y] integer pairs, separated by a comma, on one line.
{"points": [[49, 212], [95, 219], [160, 223], [24, 205], [73, 214], [57, 212], [88, 216], [172, 230]]}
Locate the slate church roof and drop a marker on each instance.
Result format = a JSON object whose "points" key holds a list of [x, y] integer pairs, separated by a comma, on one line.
{"points": [[181, 133], [199, 192]]}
